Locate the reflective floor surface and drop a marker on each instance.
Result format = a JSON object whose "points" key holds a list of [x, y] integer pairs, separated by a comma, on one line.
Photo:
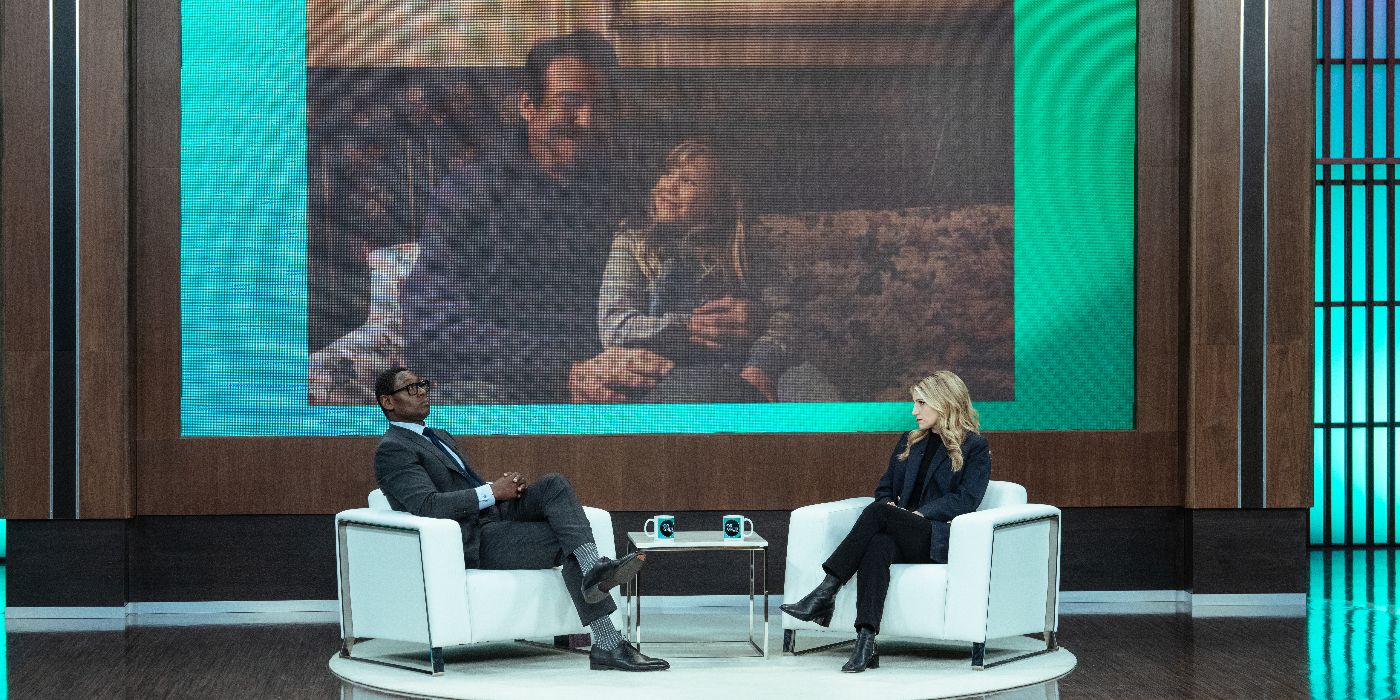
{"points": [[1346, 647]]}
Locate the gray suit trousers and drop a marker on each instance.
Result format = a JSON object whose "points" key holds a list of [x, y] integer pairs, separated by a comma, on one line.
{"points": [[540, 530]]}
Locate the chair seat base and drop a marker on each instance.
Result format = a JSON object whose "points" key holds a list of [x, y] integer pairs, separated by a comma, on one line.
{"points": [[979, 654], [790, 644], [979, 650], [436, 665]]}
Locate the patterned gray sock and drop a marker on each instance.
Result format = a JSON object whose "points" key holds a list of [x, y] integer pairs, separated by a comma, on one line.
{"points": [[587, 556], [605, 635]]}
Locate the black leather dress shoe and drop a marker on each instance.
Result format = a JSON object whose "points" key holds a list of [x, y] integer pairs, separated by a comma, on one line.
{"points": [[608, 574], [624, 658]]}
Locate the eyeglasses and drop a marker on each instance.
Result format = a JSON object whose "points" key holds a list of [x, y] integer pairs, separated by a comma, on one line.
{"points": [[415, 389]]}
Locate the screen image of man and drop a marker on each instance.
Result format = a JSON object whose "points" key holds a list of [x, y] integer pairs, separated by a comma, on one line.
{"points": [[502, 305], [508, 523]]}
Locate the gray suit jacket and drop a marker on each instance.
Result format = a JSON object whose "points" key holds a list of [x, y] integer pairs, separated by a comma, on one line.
{"points": [[418, 478]]}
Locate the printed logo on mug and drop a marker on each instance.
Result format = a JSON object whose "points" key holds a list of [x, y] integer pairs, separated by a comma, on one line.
{"points": [[734, 527], [665, 527]]}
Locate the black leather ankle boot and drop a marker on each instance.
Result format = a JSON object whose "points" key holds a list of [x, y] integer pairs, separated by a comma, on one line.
{"points": [[818, 605], [865, 655]]}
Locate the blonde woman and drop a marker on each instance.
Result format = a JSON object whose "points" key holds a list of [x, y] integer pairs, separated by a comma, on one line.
{"points": [[938, 471]]}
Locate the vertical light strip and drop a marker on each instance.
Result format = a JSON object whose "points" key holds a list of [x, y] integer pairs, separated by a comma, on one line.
{"points": [[1239, 281], [77, 255], [1252, 263], [63, 271], [1264, 317], [51, 172]]}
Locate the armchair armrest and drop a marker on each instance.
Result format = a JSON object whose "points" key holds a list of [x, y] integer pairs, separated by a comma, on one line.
{"points": [[1003, 572], [401, 576], [601, 522], [813, 533]]}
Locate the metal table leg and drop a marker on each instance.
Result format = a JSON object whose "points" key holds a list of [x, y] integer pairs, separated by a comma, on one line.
{"points": [[752, 555], [765, 603]]}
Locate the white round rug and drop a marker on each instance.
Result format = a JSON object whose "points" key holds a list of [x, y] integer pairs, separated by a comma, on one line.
{"points": [[908, 669]]}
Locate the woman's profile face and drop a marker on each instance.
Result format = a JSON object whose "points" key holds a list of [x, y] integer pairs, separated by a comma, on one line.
{"points": [[925, 415]]}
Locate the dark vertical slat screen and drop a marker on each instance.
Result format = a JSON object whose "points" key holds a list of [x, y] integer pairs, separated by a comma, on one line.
{"points": [[1355, 430]]}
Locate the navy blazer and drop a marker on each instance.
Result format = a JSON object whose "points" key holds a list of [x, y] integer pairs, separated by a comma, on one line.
{"points": [[947, 494]]}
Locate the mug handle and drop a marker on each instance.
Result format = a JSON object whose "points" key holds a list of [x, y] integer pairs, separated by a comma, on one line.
{"points": [[746, 533], [651, 522]]}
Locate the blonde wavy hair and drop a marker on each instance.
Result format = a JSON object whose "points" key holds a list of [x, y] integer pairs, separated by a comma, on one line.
{"points": [[725, 216], [947, 394]]}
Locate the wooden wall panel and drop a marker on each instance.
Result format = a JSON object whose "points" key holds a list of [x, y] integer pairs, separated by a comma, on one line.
{"points": [[1160, 245], [155, 281], [193, 476], [104, 331], [24, 235], [179, 476], [1290, 275], [1212, 462]]}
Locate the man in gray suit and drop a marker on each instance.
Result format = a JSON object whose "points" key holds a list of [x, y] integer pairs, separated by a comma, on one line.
{"points": [[508, 523]]}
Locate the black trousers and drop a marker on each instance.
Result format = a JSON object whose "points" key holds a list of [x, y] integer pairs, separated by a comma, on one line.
{"points": [[540, 530], [883, 535]]}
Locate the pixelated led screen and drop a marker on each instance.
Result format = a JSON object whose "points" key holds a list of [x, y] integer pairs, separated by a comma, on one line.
{"points": [[656, 217]]}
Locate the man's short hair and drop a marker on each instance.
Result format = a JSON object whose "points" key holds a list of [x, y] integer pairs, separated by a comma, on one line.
{"points": [[384, 383], [586, 46]]}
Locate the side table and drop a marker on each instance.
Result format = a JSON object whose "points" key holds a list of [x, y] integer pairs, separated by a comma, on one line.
{"points": [[702, 541]]}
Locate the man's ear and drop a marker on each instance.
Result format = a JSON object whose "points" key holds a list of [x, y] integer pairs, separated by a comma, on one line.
{"points": [[525, 106], [380, 400]]}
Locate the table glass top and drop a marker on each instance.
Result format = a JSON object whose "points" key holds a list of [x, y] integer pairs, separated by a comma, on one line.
{"points": [[710, 539]]}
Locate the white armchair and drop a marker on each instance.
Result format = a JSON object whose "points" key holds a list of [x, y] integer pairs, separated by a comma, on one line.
{"points": [[402, 577], [1002, 578]]}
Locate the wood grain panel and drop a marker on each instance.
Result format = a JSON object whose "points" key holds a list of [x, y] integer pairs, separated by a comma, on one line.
{"points": [[1160, 245], [104, 332], [696, 472], [105, 475], [1212, 413], [24, 255], [1290, 254], [645, 472], [1212, 477], [26, 394], [155, 240]]}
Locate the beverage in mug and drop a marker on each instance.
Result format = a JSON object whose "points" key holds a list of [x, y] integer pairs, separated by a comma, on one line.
{"points": [[665, 527]]}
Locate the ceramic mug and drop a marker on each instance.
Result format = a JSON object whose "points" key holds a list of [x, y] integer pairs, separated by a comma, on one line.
{"points": [[733, 527], [665, 527]]}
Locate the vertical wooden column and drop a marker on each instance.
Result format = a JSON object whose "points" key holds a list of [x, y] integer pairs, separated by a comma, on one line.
{"points": [[24, 245], [1162, 25], [1269, 465], [1212, 415], [1288, 416], [155, 237], [104, 332], [103, 395]]}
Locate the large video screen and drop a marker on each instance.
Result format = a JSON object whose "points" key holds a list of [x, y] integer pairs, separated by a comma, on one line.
{"points": [[667, 216]]}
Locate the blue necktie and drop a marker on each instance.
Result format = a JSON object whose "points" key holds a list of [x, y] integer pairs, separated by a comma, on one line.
{"points": [[452, 459]]}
